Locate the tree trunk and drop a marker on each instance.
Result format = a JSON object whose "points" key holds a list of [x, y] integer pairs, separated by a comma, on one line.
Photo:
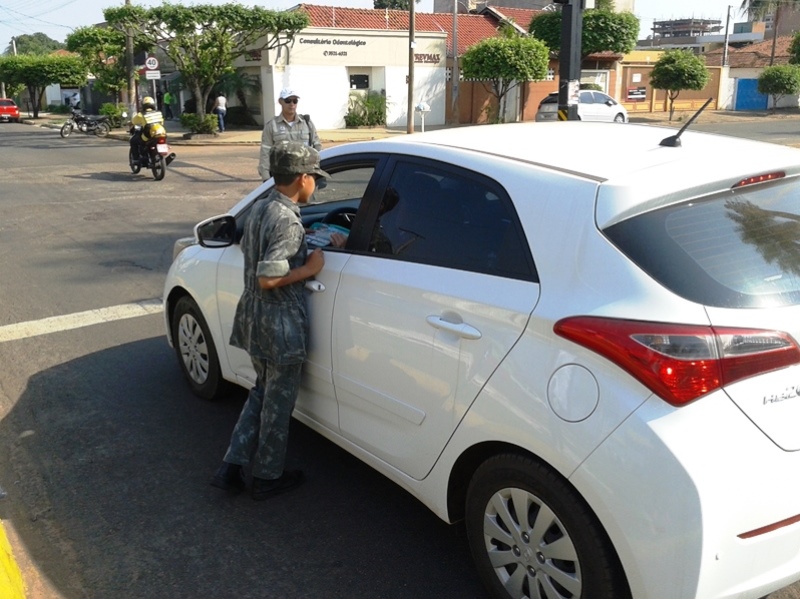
{"points": [[774, 34]]}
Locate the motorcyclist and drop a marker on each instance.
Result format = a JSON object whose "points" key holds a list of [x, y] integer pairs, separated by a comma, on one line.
{"points": [[145, 120]]}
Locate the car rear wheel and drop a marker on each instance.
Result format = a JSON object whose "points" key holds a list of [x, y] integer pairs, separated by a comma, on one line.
{"points": [[620, 118], [532, 536], [195, 350]]}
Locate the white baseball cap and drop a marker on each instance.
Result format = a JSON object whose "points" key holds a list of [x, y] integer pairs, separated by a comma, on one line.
{"points": [[288, 92]]}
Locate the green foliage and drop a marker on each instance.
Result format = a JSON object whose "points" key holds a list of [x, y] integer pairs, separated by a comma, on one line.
{"points": [[794, 50], [36, 72], [205, 40], [778, 81], [393, 4], [58, 109], [504, 62], [35, 43], [200, 124], [593, 86], [676, 71], [113, 112], [366, 110], [103, 50], [603, 31]]}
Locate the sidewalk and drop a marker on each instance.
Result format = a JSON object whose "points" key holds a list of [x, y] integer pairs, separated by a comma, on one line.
{"points": [[252, 135]]}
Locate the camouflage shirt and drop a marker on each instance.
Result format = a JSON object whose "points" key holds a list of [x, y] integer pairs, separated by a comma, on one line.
{"points": [[272, 324]]}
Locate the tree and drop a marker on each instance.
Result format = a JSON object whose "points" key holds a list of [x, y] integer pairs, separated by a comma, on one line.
{"points": [[393, 4], [778, 81], [603, 31], [504, 62], [676, 71], [37, 72], [103, 50], [758, 9], [204, 40], [35, 43], [794, 50]]}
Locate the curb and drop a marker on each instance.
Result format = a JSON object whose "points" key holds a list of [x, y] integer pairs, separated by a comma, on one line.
{"points": [[11, 584]]}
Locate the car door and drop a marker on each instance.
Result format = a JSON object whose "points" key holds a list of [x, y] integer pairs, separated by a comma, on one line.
{"points": [[606, 106], [424, 317], [589, 110], [342, 193]]}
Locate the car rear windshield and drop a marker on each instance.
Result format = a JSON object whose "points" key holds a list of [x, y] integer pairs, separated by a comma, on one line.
{"points": [[737, 250], [7, 103], [551, 99]]}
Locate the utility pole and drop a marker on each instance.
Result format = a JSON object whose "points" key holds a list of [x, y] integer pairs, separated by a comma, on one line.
{"points": [[569, 59], [454, 112], [725, 47], [411, 45], [129, 68]]}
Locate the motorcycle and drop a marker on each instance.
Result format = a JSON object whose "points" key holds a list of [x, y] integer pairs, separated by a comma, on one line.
{"points": [[88, 124], [154, 153]]}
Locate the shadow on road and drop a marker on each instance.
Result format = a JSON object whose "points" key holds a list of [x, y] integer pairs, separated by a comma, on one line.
{"points": [[107, 474]]}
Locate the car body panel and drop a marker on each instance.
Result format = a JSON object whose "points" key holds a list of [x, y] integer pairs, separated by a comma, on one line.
{"points": [[9, 111]]}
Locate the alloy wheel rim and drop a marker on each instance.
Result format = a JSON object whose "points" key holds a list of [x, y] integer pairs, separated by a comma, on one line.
{"points": [[529, 548], [193, 348]]}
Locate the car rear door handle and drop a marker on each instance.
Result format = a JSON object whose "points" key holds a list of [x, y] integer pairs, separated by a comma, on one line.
{"points": [[461, 329]]}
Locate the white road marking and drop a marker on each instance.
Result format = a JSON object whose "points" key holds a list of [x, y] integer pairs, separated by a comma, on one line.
{"points": [[54, 324]]}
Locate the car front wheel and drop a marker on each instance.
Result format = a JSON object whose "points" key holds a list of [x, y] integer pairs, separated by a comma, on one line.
{"points": [[532, 536], [195, 350], [620, 118]]}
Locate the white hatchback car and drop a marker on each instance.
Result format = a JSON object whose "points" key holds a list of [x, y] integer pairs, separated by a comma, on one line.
{"points": [[594, 362], [592, 106]]}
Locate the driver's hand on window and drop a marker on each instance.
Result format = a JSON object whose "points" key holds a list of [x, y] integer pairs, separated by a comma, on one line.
{"points": [[338, 240]]}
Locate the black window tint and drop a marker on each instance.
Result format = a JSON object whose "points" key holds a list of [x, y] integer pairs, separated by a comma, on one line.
{"points": [[443, 218], [737, 250]]}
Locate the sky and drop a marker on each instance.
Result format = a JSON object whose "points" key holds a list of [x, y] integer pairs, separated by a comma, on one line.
{"points": [[57, 18]]}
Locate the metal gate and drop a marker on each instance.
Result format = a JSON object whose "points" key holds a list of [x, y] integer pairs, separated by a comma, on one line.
{"points": [[748, 97]]}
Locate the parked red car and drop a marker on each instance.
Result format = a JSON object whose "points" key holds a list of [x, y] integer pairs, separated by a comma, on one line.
{"points": [[8, 110]]}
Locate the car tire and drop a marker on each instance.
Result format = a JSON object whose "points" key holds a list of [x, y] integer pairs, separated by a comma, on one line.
{"points": [[551, 546], [194, 348], [620, 118]]}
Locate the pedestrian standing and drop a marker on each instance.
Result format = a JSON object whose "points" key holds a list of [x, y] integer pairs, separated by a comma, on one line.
{"points": [[168, 100], [287, 126], [221, 109], [271, 324]]}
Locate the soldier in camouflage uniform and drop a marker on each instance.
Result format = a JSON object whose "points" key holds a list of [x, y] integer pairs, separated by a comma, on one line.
{"points": [[271, 323], [287, 126]]}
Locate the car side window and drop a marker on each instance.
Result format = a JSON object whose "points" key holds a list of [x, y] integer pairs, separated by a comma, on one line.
{"points": [[586, 98], [453, 218], [601, 98]]}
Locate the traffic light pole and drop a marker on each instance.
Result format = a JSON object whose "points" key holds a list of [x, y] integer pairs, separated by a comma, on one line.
{"points": [[569, 59]]}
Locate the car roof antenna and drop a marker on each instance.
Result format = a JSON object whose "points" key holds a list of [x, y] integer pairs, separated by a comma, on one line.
{"points": [[674, 141]]}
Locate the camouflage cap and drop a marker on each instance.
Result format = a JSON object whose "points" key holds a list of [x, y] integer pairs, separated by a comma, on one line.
{"points": [[294, 158]]}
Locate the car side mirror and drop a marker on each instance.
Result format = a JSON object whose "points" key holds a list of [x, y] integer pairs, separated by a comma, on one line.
{"points": [[216, 232]]}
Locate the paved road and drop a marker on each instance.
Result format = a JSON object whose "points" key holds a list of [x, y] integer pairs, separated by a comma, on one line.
{"points": [[104, 454]]}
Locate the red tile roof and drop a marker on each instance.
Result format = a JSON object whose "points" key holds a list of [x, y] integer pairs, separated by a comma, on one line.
{"points": [[755, 55], [520, 16], [471, 28]]}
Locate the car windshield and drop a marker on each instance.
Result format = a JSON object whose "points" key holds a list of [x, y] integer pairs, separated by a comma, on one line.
{"points": [[738, 249], [7, 103]]}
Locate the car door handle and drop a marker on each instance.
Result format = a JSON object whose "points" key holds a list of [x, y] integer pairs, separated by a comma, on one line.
{"points": [[314, 285], [461, 329]]}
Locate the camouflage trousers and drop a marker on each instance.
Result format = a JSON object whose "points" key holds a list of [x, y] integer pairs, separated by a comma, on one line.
{"points": [[262, 432]]}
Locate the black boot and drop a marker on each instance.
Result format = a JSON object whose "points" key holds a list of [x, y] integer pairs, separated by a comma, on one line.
{"points": [[264, 488], [229, 477]]}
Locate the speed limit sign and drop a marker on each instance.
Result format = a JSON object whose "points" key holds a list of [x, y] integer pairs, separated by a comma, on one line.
{"points": [[151, 63]]}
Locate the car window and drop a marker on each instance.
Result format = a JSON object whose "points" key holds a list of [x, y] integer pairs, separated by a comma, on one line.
{"points": [[7, 103], [601, 98], [335, 202], [450, 217], [736, 250], [586, 98]]}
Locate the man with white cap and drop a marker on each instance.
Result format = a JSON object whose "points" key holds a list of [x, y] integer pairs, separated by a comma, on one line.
{"points": [[287, 126]]}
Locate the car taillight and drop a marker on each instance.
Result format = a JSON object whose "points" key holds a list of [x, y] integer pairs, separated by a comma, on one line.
{"points": [[680, 363]]}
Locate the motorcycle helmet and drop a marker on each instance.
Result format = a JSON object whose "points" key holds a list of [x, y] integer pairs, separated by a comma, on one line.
{"points": [[148, 103]]}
